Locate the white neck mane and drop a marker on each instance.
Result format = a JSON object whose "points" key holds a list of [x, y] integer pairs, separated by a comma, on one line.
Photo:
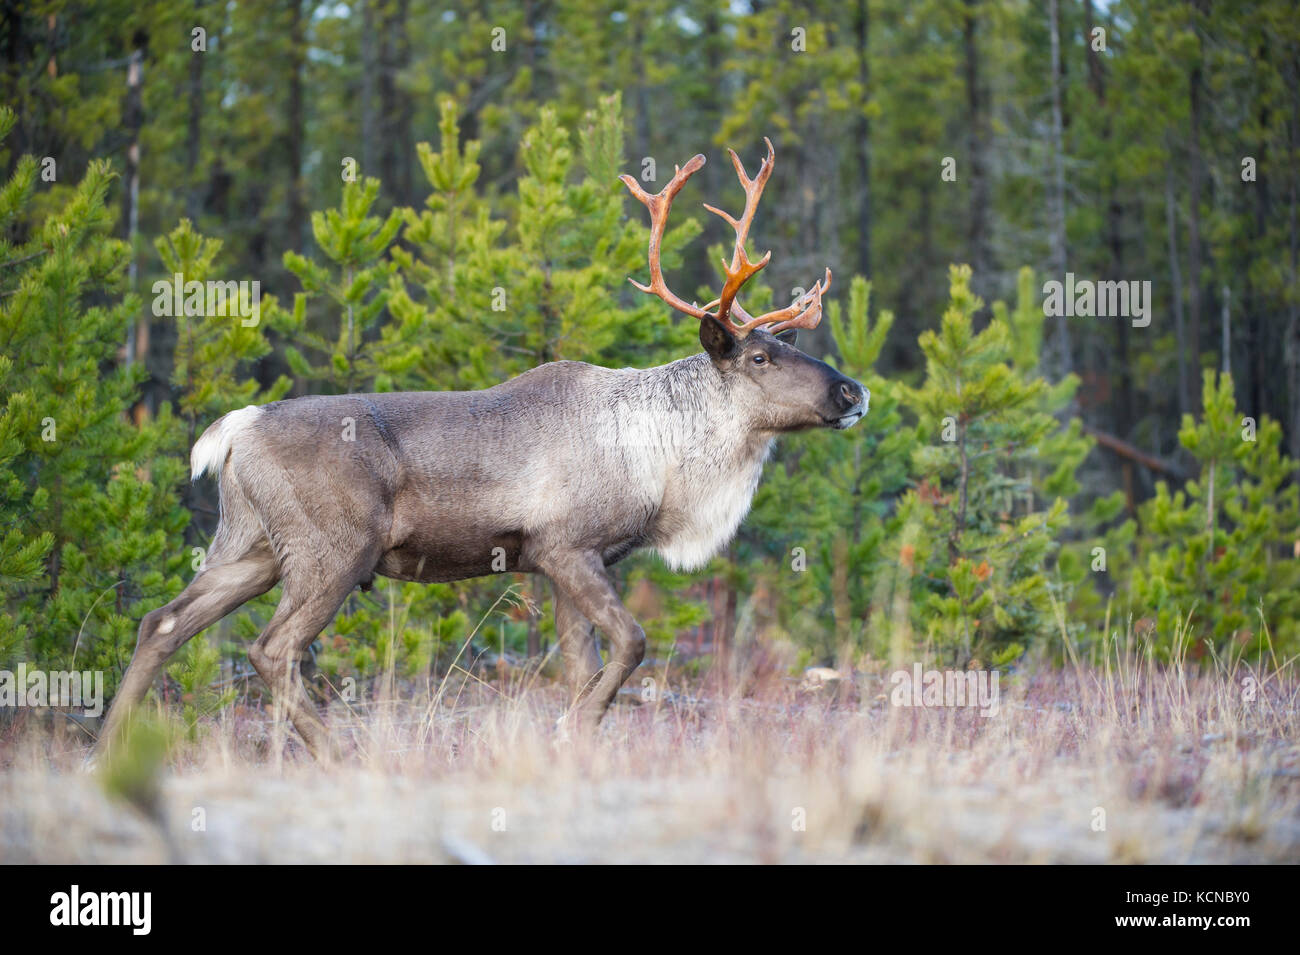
{"points": [[713, 468]]}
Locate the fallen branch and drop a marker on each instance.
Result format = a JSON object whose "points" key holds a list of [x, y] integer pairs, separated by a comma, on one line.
{"points": [[1132, 453]]}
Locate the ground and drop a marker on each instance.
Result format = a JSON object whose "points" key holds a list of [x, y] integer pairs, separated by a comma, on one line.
{"points": [[1137, 765]]}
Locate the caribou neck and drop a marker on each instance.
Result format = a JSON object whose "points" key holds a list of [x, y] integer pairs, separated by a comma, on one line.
{"points": [[713, 461]]}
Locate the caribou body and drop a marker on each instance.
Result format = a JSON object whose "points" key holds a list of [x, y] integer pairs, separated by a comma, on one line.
{"points": [[562, 471]]}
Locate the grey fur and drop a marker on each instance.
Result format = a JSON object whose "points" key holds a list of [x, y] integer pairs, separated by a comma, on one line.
{"points": [[567, 469]]}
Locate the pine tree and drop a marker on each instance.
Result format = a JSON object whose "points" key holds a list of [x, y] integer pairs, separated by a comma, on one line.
{"points": [[86, 493], [482, 300], [352, 295], [211, 348], [24, 546], [977, 537], [826, 565], [1222, 550], [450, 266]]}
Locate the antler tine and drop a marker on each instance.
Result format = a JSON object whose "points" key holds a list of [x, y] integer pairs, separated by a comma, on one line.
{"points": [[803, 312], [741, 269], [659, 204]]}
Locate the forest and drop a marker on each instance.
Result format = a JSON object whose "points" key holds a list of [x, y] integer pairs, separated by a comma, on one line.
{"points": [[427, 198], [1064, 239]]}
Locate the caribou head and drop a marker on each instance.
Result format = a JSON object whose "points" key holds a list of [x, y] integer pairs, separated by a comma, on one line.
{"points": [[784, 389]]}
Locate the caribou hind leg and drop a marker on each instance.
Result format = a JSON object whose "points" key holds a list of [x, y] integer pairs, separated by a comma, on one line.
{"points": [[307, 605], [215, 591]]}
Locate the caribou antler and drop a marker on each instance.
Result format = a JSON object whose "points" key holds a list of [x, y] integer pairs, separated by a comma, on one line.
{"points": [[804, 312], [741, 269], [659, 204]]}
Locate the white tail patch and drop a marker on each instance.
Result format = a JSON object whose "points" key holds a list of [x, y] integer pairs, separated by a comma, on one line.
{"points": [[210, 450]]}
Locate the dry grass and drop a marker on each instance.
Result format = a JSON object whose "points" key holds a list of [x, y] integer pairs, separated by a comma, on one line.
{"points": [[1184, 767]]}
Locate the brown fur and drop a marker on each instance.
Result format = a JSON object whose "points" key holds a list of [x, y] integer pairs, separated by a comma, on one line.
{"points": [[567, 469]]}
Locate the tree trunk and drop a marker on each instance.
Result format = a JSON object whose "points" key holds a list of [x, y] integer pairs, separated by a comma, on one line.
{"points": [[133, 120], [295, 134], [862, 137], [16, 55], [1123, 413], [1176, 281], [1064, 356], [394, 104], [642, 95], [1096, 76], [1226, 346], [369, 69], [1292, 337], [977, 146], [194, 139], [1254, 303], [1195, 177]]}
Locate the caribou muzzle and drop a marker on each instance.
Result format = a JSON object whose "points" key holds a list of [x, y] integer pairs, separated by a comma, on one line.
{"points": [[849, 399]]}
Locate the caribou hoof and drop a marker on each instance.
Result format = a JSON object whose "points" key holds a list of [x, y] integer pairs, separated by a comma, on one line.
{"points": [[563, 731]]}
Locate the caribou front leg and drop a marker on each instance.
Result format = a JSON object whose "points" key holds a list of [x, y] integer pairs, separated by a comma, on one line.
{"points": [[581, 578], [577, 638]]}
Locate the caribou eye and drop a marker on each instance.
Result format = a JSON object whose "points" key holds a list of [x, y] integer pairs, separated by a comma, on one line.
{"points": [[759, 359]]}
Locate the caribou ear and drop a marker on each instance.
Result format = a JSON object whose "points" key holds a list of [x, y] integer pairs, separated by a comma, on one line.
{"points": [[788, 336], [717, 339]]}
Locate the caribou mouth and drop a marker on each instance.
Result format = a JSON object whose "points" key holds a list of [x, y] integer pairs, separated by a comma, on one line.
{"points": [[848, 421]]}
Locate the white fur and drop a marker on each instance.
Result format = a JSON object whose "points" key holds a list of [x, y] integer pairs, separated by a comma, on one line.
{"points": [[209, 454], [710, 504], [695, 460]]}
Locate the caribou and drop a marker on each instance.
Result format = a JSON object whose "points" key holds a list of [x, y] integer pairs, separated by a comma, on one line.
{"points": [[562, 471]]}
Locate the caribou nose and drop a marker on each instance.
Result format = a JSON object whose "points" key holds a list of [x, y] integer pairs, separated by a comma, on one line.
{"points": [[851, 394]]}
